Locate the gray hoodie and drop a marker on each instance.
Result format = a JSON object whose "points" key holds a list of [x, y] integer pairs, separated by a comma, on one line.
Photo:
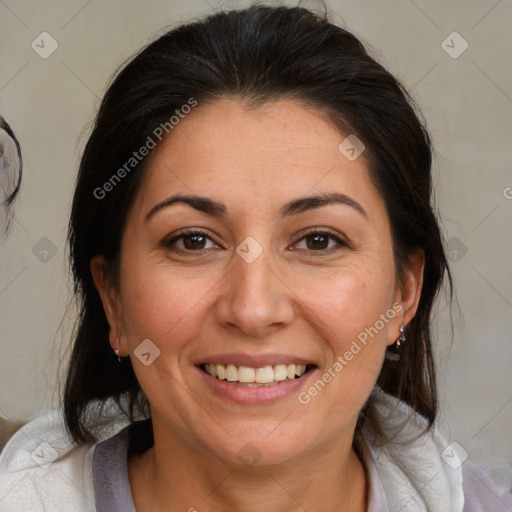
{"points": [[41, 469]]}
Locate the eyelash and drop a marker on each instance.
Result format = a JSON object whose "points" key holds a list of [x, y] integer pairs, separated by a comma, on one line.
{"points": [[303, 235]]}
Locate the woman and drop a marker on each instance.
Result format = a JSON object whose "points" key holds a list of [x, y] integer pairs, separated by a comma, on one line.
{"points": [[256, 255], [10, 181], [10, 173]]}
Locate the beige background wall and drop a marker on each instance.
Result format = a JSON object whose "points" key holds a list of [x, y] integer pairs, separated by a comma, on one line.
{"points": [[468, 105]]}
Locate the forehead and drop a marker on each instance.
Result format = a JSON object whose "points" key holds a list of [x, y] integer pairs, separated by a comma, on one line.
{"points": [[263, 154]]}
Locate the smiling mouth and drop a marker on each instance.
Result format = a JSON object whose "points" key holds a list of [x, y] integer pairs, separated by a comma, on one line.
{"points": [[266, 375]]}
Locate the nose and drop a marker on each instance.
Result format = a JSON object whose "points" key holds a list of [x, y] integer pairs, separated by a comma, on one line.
{"points": [[254, 298]]}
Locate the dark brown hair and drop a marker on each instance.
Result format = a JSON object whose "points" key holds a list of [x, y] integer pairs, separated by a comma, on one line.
{"points": [[258, 55]]}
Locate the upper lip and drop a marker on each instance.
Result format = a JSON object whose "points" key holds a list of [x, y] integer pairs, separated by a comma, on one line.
{"points": [[255, 360]]}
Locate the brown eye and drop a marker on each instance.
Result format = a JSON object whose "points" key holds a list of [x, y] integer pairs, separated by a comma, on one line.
{"points": [[190, 241], [318, 241], [193, 242]]}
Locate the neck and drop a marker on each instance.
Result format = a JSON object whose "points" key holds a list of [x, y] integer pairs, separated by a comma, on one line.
{"points": [[173, 476]]}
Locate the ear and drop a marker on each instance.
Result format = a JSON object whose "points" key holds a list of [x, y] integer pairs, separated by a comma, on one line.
{"points": [[409, 291], [109, 299]]}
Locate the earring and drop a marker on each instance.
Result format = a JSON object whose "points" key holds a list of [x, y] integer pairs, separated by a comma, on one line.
{"points": [[116, 350], [401, 339]]}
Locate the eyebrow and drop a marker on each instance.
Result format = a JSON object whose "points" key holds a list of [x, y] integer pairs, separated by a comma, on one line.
{"points": [[294, 207], [303, 204]]}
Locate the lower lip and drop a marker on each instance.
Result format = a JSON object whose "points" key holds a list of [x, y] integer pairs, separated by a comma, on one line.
{"points": [[256, 395]]}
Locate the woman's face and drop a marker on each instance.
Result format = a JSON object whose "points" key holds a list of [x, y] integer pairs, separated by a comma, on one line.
{"points": [[270, 276]]}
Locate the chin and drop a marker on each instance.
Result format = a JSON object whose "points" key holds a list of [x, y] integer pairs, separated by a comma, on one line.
{"points": [[264, 447]]}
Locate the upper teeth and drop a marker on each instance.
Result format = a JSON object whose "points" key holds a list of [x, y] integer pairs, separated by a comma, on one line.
{"points": [[262, 375]]}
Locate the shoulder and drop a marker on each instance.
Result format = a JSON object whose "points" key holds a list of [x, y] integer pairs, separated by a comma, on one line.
{"points": [[410, 465], [39, 463], [422, 471], [42, 469], [480, 493]]}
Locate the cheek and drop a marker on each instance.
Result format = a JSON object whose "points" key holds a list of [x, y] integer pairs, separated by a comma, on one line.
{"points": [[349, 300], [159, 304], [352, 309], [167, 309]]}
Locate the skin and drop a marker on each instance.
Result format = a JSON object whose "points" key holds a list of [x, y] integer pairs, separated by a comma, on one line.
{"points": [[296, 298]]}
